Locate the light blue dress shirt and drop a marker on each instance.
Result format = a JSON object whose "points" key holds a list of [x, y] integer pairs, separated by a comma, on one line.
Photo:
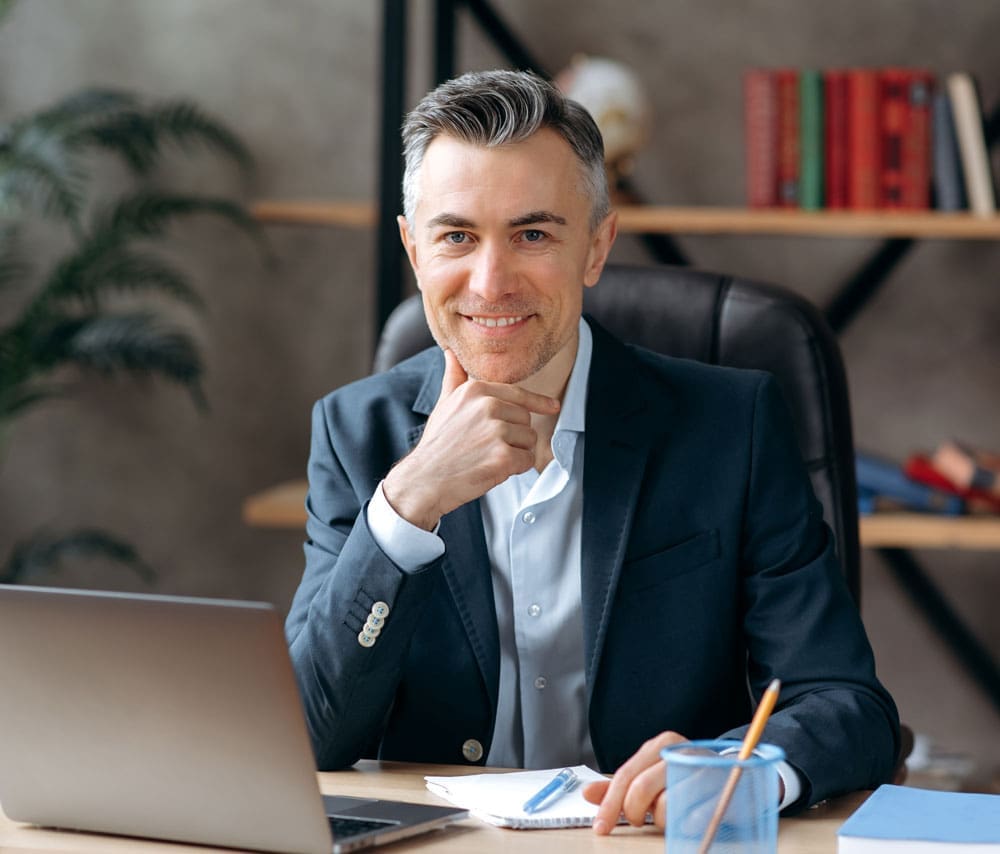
{"points": [[532, 524]]}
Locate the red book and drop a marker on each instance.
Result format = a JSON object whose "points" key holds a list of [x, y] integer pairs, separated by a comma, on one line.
{"points": [[835, 138], [760, 124], [917, 141], [787, 84], [918, 467], [906, 145], [862, 139]]}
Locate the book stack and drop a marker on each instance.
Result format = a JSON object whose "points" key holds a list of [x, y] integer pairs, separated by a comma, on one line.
{"points": [[865, 139], [954, 479]]}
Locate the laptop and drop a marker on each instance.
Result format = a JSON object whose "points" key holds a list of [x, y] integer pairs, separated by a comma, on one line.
{"points": [[171, 718]]}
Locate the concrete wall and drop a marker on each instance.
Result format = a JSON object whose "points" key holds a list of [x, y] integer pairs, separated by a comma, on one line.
{"points": [[300, 81]]}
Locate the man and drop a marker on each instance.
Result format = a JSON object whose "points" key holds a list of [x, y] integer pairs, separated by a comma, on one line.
{"points": [[535, 546]]}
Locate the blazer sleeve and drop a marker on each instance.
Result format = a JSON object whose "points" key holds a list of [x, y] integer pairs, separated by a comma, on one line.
{"points": [[347, 687], [837, 724]]}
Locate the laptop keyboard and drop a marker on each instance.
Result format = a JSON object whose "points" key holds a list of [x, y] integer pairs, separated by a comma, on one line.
{"points": [[343, 827]]}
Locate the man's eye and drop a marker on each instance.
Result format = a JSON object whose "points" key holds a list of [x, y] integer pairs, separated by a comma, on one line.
{"points": [[456, 237], [533, 235]]}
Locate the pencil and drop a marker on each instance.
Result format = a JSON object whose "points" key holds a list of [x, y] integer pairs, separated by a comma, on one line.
{"points": [[750, 740]]}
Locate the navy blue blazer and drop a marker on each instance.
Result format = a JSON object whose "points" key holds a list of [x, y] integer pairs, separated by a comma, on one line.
{"points": [[707, 570]]}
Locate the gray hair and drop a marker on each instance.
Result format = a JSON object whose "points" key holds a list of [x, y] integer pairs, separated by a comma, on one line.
{"points": [[494, 108]]}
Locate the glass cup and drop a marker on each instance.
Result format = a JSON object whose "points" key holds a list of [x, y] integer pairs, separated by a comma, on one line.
{"points": [[699, 776]]}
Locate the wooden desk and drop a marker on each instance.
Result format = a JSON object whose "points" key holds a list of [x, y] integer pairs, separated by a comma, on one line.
{"points": [[813, 833]]}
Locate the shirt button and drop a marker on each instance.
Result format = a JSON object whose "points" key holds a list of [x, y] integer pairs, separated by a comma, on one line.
{"points": [[472, 750], [534, 610], [528, 518], [540, 682]]}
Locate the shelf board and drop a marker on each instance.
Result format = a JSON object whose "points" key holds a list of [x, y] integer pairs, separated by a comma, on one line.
{"points": [[655, 219], [356, 214], [282, 506], [923, 530]]}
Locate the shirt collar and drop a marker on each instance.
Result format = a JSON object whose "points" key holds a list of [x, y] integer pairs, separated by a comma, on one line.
{"points": [[572, 415]]}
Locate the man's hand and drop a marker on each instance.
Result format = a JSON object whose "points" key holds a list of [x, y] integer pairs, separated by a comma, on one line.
{"points": [[637, 788], [478, 435]]}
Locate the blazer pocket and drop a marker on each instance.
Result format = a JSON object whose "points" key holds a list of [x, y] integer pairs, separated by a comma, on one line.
{"points": [[671, 562]]}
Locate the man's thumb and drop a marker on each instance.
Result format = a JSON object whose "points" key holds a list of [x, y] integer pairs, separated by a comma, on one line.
{"points": [[454, 373]]}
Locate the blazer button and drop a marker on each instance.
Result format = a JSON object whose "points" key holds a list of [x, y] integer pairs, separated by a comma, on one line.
{"points": [[366, 640], [472, 750], [380, 609]]}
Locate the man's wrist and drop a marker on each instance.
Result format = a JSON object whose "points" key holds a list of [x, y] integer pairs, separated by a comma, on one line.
{"points": [[410, 504]]}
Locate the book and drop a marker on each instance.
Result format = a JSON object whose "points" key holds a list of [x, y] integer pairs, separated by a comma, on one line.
{"points": [[920, 468], [921, 821], [787, 83], [905, 100], [498, 799], [968, 116], [862, 139], [916, 161], [760, 127], [810, 140], [886, 479], [835, 139], [949, 181]]}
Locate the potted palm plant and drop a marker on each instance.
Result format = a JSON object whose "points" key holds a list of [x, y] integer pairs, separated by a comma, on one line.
{"points": [[63, 314]]}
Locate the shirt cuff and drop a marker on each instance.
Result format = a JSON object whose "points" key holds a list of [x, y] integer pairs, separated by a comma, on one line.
{"points": [[409, 547], [789, 776]]}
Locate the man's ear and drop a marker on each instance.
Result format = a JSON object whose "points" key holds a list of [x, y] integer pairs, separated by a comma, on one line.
{"points": [[601, 242], [409, 244]]}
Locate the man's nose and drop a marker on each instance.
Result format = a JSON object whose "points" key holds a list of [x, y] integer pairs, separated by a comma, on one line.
{"points": [[492, 276]]}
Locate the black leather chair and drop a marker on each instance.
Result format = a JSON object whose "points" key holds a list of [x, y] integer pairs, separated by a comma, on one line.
{"points": [[722, 320]]}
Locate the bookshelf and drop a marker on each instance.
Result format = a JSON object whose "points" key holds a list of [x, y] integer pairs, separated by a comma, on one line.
{"points": [[282, 506], [664, 219]]}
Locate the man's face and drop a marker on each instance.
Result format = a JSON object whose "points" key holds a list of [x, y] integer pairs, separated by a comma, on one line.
{"points": [[502, 248]]}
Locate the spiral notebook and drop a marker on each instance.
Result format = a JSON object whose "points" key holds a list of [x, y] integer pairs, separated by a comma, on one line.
{"points": [[499, 798]]}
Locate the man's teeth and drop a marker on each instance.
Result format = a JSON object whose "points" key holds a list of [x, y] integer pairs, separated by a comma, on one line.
{"points": [[497, 321]]}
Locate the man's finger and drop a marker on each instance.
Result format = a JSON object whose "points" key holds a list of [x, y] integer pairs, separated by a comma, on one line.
{"points": [[593, 793], [454, 374]]}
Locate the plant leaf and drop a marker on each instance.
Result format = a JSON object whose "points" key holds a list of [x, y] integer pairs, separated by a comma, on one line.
{"points": [[147, 214], [138, 134], [100, 265], [136, 343], [44, 177], [42, 553]]}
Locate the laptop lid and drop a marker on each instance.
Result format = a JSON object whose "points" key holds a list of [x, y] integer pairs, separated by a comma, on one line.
{"points": [[163, 717]]}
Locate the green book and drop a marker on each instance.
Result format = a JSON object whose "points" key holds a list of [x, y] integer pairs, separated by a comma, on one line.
{"points": [[811, 139]]}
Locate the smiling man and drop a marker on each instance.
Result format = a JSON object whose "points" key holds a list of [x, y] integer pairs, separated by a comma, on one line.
{"points": [[535, 546]]}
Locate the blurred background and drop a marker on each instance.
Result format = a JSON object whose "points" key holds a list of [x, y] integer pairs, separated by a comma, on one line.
{"points": [[299, 82]]}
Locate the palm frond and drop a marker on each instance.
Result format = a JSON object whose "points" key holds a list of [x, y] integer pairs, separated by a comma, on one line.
{"points": [[43, 553], [101, 263], [85, 105], [136, 343], [40, 176], [14, 269], [138, 135], [147, 213], [15, 399]]}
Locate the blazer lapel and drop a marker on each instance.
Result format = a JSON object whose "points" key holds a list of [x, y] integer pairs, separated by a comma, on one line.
{"points": [[621, 424], [466, 564]]}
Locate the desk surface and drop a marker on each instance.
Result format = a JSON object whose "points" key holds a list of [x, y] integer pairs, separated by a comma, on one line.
{"points": [[813, 833]]}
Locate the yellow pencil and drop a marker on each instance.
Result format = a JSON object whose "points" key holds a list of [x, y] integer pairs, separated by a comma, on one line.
{"points": [[750, 740]]}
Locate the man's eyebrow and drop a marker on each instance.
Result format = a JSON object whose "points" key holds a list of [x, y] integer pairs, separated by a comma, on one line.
{"points": [[536, 217], [451, 220]]}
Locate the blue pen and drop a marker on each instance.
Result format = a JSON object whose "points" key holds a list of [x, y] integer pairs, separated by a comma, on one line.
{"points": [[565, 781]]}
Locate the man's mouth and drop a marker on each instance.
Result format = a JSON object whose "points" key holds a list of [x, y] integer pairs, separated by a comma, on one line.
{"points": [[492, 322]]}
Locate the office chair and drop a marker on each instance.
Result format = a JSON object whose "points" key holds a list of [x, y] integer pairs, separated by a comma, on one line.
{"points": [[722, 320]]}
